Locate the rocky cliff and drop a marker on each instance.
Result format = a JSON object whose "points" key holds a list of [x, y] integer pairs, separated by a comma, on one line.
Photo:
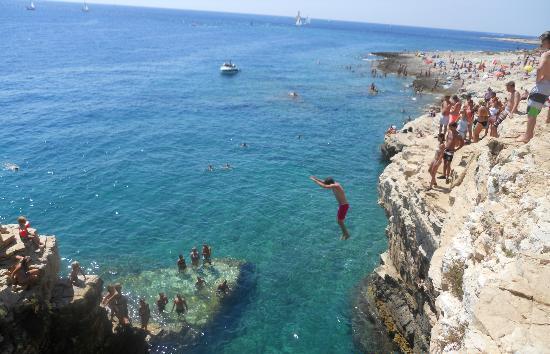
{"points": [[468, 263], [53, 316]]}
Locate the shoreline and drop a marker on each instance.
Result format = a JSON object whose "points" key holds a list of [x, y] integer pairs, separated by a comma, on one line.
{"points": [[411, 292]]}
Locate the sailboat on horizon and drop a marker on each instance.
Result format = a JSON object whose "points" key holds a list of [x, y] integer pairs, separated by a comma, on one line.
{"points": [[85, 8], [31, 6], [300, 21]]}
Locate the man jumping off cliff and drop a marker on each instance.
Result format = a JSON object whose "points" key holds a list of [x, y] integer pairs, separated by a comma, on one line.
{"points": [[340, 196]]}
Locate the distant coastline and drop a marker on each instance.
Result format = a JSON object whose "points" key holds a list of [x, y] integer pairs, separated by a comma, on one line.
{"points": [[533, 41]]}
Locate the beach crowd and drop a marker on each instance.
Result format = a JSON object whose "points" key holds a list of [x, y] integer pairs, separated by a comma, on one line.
{"points": [[463, 121]]}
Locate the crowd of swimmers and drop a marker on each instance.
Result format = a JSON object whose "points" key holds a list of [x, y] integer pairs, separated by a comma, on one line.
{"points": [[117, 303]]}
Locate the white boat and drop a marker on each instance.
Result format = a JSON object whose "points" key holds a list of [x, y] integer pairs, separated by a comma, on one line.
{"points": [[85, 8], [299, 20], [31, 7], [229, 68]]}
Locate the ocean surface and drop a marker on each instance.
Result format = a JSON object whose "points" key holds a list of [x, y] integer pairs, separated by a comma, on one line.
{"points": [[114, 115]]}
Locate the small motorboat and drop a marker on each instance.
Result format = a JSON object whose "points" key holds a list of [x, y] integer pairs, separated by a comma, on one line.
{"points": [[229, 68]]}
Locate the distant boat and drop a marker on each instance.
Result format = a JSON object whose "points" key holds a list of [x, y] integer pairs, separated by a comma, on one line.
{"points": [[229, 68], [300, 21], [85, 8], [31, 7]]}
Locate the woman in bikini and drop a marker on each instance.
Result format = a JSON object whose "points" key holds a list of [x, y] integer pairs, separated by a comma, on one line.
{"points": [[481, 122]]}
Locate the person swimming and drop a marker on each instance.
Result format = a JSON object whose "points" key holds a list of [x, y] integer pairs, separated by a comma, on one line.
{"points": [[206, 254], [223, 288], [180, 304], [195, 257], [200, 283], [162, 301]]}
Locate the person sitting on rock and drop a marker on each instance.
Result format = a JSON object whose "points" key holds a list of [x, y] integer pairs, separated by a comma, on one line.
{"points": [[195, 257], [27, 234], [108, 300], [75, 270], [144, 313], [162, 301], [181, 264], [200, 283], [206, 254], [223, 288], [180, 304], [22, 275]]}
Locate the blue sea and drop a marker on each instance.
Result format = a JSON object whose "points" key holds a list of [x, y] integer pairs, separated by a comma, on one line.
{"points": [[114, 115]]}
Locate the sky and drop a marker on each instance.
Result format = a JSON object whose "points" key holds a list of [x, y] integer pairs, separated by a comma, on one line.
{"points": [[493, 16]]}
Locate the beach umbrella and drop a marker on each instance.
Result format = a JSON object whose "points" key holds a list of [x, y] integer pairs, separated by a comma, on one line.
{"points": [[528, 68]]}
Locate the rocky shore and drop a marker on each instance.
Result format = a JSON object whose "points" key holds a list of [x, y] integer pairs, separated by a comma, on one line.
{"points": [[468, 263], [55, 316]]}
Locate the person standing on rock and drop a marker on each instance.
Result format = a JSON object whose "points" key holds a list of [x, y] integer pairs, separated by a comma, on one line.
{"points": [[436, 162], [343, 205], [180, 304], [511, 107], [144, 313], [181, 264], [76, 269], [444, 119], [195, 257], [453, 143], [206, 254], [540, 93], [162, 301]]}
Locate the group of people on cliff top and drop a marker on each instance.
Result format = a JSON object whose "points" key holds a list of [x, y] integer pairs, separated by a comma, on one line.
{"points": [[464, 122]]}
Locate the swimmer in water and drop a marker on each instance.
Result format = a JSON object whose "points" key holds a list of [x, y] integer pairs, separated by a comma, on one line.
{"points": [[180, 304], [227, 166], [200, 283], [181, 264], [210, 168], [293, 94], [244, 145], [223, 288]]}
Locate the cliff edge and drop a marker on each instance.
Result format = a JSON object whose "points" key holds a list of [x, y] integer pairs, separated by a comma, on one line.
{"points": [[468, 263]]}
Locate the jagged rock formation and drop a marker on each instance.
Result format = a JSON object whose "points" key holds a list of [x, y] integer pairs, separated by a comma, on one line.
{"points": [[468, 264], [54, 316]]}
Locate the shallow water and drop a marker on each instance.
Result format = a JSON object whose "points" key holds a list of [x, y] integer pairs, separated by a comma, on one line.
{"points": [[114, 115]]}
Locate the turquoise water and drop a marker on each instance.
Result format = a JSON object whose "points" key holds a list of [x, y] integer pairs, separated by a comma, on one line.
{"points": [[114, 115]]}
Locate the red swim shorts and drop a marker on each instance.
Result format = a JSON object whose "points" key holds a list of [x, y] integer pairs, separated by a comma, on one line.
{"points": [[342, 211]]}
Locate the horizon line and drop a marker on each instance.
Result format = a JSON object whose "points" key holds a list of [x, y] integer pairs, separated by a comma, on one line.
{"points": [[527, 36]]}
